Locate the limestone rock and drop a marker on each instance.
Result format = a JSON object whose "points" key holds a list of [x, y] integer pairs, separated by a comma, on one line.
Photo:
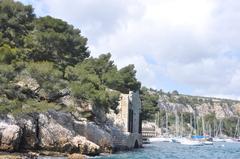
{"points": [[9, 137], [76, 156], [93, 133], [28, 82], [99, 113], [28, 125], [54, 132], [67, 101], [85, 146]]}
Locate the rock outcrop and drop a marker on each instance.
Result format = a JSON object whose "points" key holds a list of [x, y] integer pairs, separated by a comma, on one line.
{"points": [[52, 131], [202, 106]]}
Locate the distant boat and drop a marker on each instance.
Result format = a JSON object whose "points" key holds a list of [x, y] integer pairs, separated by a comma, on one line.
{"points": [[192, 142], [160, 139], [206, 140], [230, 140], [217, 139], [178, 139]]}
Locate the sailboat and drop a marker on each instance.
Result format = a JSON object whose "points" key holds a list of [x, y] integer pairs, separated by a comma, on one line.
{"points": [[177, 138], [217, 132], [237, 131], [207, 140], [190, 141]]}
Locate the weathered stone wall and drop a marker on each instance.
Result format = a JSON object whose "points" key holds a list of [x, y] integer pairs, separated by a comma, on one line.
{"points": [[123, 138], [122, 116], [136, 107]]}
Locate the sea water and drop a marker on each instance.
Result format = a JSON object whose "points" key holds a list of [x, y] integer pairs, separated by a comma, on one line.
{"points": [[164, 150]]}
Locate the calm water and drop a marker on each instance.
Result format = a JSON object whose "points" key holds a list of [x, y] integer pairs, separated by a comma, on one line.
{"points": [[164, 150]]}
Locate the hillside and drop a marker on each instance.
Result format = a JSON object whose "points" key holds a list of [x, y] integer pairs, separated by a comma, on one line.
{"points": [[196, 114], [202, 106]]}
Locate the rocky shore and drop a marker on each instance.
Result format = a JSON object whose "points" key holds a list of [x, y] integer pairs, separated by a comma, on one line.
{"points": [[52, 132]]}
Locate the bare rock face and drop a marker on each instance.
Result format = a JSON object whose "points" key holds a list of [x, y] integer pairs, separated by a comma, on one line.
{"points": [[52, 131], [30, 138], [58, 132], [93, 133], [55, 132], [9, 137]]}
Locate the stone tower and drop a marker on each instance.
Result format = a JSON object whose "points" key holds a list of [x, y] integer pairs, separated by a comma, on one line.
{"points": [[130, 117]]}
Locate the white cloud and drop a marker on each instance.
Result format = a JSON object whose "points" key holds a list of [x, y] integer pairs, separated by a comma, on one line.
{"points": [[192, 44]]}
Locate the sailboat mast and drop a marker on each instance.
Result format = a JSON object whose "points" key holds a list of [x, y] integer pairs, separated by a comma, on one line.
{"points": [[236, 134], [191, 123], [203, 125], [176, 123], [181, 124], [166, 122], [220, 125], [194, 123]]}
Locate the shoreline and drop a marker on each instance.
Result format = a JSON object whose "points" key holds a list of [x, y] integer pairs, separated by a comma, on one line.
{"points": [[39, 153]]}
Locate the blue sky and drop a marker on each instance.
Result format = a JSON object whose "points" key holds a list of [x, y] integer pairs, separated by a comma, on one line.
{"points": [[190, 45]]}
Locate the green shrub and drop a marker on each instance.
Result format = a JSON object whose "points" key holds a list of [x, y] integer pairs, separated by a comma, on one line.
{"points": [[7, 54], [7, 72]]}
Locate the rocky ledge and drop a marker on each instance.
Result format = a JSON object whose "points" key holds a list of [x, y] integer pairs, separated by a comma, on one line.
{"points": [[53, 132]]}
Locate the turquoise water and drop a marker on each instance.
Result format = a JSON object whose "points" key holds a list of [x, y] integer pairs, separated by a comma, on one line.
{"points": [[164, 150]]}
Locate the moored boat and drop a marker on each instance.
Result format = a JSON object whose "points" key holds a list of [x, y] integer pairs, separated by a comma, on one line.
{"points": [[160, 139], [192, 142], [216, 139]]}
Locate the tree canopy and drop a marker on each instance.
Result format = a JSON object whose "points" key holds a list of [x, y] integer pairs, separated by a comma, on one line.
{"points": [[56, 41], [55, 54], [15, 22], [149, 104]]}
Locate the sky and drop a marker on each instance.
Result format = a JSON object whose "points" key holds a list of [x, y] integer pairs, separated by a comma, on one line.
{"points": [[192, 46]]}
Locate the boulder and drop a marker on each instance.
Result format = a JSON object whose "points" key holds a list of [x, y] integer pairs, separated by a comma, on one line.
{"points": [[9, 137], [76, 156], [85, 146], [93, 133]]}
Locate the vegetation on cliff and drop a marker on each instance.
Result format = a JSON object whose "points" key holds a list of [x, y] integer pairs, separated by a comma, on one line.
{"points": [[44, 58]]}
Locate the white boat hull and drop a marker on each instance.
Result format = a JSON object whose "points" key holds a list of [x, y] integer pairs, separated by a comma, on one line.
{"points": [[218, 140], [192, 143], [160, 139]]}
